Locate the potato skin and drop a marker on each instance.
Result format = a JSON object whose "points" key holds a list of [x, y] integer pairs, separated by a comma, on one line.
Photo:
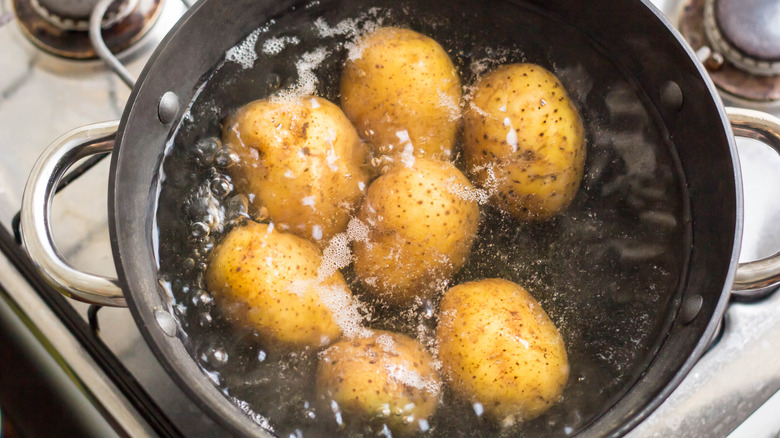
{"points": [[420, 230], [301, 159], [498, 347], [267, 279], [376, 379], [522, 126], [403, 81]]}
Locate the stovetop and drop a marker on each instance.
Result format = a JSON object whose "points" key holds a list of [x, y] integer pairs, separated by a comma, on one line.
{"points": [[42, 97]]}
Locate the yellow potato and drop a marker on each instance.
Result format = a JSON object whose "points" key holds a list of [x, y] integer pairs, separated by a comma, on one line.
{"points": [[422, 222], [499, 348], [268, 280], [387, 378], [302, 160], [523, 140], [401, 91]]}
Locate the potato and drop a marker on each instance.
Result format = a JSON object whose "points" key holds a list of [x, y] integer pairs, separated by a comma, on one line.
{"points": [[302, 160], [387, 378], [499, 348], [268, 280], [523, 140], [422, 224], [401, 91]]}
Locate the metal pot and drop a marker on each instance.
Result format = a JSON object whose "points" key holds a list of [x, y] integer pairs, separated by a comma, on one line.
{"points": [[649, 50]]}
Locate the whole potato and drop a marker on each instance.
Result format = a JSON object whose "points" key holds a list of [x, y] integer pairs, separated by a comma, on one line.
{"points": [[422, 224], [302, 160], [499, 348], [387, 378], [268, 280], [523, 139], [402, 91]]}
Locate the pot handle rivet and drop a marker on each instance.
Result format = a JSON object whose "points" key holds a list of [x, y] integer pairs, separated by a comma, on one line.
{"points": [[165, 321], [671, 96], [691, 308], [168, 107]]}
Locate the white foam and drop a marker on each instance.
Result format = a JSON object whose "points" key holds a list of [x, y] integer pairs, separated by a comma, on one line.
{"points": [[408, 377], [386, 342], [274, 46], [479, 110], [244, 52], [307, 80], [407, 156], [357, 230], [337, 255], [347, 311], [450, 106], [468, 194]]}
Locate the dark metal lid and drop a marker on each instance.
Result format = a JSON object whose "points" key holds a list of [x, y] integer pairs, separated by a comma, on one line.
{"points": [[746, 32]]}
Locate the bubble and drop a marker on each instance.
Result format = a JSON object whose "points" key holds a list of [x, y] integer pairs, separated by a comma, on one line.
{"points": [[202, 298], [225, 158], [274, 46], [237, 208], [216, 357], [199, 230], [221, 186], [203, 150], [205, 319], [244, 52]]}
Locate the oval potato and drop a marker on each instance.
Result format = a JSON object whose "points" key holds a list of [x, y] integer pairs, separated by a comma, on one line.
{"points": [[422, 223], [401, 91], [302, 160], [387, 378], [524, 141], [269, 280], [499, 348]]}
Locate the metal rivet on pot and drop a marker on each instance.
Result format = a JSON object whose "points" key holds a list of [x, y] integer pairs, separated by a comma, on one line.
{"points": [[671, 96], [166, 322], [168, 107], [691, 308]]}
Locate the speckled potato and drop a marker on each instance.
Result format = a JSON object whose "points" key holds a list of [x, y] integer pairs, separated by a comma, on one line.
{"points": [[401, 91], [387, 378], [422, 221], [499, 348], [267, 279], [524, 141], [302, 160]]}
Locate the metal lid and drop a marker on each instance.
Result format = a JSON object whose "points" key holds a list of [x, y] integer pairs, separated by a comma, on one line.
{"points": [[746, 32]]}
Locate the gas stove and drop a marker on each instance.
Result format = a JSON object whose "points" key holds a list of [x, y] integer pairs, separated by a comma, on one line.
{"points": [[97, 360]]}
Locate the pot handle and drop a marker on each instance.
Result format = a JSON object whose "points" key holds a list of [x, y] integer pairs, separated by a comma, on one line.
{"points": [[36, 215], [763, 273]]}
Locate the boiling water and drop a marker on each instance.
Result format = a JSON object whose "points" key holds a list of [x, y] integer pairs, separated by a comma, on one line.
{"points": [[607, 270]]}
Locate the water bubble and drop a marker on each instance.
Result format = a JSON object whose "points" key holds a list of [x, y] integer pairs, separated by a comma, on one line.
{"points": [[221, 186], [202, 298], [189, 263], [216, 357], [237, 208], [204, 150], [261, 355], [199, 230], [273, 82], [225, 158], [205, 319]]}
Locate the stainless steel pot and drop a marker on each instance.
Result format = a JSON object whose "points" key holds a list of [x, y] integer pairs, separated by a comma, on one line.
{"points": [[630, 31]]}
